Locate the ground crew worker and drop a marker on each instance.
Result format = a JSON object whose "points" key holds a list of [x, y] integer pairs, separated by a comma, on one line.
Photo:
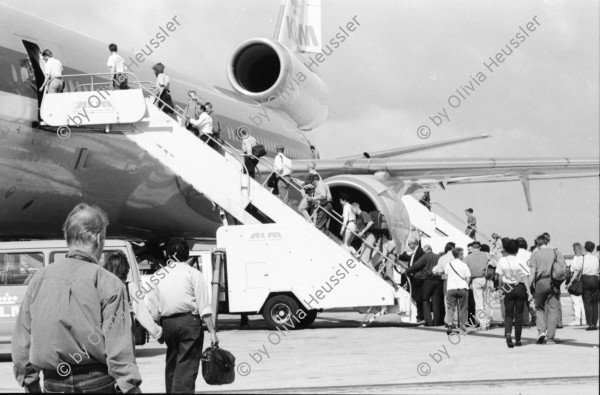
{"points": [[78, 314], [180, 299]]}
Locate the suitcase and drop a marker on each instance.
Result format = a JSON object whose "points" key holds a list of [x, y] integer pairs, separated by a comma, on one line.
{"points": [[218, 366]]}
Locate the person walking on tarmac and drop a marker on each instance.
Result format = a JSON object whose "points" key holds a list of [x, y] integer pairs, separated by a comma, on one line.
{"points": [[180, 299], [74, 323]]}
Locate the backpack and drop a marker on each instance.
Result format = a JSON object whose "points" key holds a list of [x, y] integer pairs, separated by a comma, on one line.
{"points": [[558, 271], [379, 222]]}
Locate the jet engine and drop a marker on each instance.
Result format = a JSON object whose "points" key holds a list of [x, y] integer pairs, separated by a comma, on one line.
{"points": [[268, 72], [373, 193]]}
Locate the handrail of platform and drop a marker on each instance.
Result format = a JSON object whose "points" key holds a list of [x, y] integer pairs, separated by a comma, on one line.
{"points": [[136, 81]]}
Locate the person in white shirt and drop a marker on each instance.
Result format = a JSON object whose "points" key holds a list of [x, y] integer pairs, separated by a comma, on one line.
{"points": [[514, 279], [248, 142], [348, 222], [204, 123], [578, 311], [524, 255], [282, 166], [182, 300], [440, 267], [458, 277], [53, 70], [589, 267], [321, 199], [116, 65]]}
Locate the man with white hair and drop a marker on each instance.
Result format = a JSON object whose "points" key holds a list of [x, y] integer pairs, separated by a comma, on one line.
{"points": [[77, 313]]}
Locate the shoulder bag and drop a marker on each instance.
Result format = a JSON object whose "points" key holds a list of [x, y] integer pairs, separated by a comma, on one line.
{"points": [[576, 287]]}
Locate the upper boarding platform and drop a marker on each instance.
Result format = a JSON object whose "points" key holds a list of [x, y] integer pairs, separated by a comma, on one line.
{"points": [[89, 99]]}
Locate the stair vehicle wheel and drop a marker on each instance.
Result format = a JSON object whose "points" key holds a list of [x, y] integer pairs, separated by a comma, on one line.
{"points": [[281, 310]]}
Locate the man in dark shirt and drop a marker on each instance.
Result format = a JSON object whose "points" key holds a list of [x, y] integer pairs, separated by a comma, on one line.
{"points": [[78, 314], [432, 286], [410, 258]]}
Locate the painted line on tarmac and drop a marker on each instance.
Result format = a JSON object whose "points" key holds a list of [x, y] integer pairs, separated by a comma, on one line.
{"points": [[429, 384]]}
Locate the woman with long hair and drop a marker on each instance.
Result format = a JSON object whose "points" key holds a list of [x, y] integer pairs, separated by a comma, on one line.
{"points": [[117, 264], [513, 274]]}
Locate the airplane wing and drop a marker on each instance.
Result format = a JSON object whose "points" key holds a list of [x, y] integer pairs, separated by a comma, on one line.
{"points": [[432, 174]]}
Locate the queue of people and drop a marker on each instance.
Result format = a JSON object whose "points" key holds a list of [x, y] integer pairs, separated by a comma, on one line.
{"points": [[524, 282]]}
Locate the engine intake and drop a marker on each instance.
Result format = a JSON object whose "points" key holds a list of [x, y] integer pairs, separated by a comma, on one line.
{"points": [[269, 73]]}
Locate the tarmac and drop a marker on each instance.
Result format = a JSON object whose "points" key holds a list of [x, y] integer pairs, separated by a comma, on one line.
{"points": [[335, 355]]}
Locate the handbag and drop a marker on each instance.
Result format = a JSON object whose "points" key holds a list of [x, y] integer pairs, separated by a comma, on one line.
{"points": [[576, 286], [259, 150], [218, 366]]}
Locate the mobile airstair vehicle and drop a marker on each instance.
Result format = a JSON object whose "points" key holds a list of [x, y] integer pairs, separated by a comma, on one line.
{"points": [[274, 262]]}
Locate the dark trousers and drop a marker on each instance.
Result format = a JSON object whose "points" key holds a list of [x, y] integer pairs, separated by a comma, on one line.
{"points": [[514, 302], [183, 336], [250, 164], [590, 298], [210, 141], [456, 299], [471, 307], [547, 299], [93, 381], [431, 291], [417, 292]]}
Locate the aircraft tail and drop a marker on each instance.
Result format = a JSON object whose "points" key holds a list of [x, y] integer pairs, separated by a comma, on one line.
{"points": [[299, 25]]}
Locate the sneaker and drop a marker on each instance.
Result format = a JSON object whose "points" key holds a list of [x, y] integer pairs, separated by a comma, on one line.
{"points": [[550, 341], [541, 338]]}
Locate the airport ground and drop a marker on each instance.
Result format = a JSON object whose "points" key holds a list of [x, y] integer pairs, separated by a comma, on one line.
{"points": [[335, 355]]}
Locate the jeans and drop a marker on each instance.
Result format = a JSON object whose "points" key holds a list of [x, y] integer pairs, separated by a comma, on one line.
{"points": [[457, 300], [80, 382], [514, 302], [184, 337], [590, 298], [481, 294], [546, 307]]}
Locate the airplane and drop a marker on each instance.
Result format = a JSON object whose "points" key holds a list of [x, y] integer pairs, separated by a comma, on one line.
{"points": [[42, 177]]}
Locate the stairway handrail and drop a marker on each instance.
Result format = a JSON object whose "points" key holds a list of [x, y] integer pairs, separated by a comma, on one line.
{"points": [[459, 219]]}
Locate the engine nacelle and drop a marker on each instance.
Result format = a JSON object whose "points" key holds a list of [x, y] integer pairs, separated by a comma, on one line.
{"points": [[268, 72], [375, 194]]}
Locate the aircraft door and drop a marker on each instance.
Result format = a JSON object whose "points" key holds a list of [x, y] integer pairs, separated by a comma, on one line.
{"points": [[35, 57]]}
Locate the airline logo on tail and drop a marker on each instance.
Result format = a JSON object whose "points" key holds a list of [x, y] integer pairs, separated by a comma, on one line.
{"points": [[299, 25]]}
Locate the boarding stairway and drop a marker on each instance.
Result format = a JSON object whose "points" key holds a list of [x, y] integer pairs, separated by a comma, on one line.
{"points": [[435, 230], [222, 178]]}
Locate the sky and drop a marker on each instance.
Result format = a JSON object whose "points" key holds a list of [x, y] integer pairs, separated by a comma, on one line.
{"points": [[399, 68]]}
